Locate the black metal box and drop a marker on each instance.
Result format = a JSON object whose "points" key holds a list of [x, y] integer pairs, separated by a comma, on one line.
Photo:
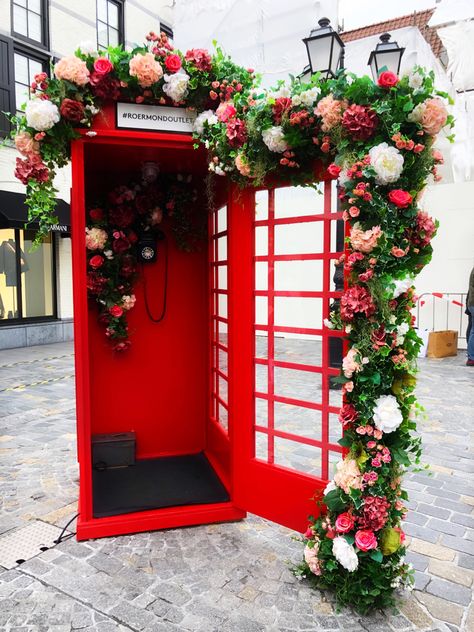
{"points": [[113, 450]]}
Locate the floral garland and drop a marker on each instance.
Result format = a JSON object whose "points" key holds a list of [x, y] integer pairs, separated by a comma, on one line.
{"points": [[112, 235], [377, 140]]}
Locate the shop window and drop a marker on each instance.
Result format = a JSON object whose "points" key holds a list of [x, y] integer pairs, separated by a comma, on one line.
{"points": [[26, 67], [109, 23], [30, 20], [27, 288]]}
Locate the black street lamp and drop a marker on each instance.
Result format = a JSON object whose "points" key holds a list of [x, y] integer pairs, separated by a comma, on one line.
{"points": [[325, 48], [386, 56]]}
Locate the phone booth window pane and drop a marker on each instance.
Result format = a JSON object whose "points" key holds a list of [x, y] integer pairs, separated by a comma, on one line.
{"points": [[37, 285], [8, 275]]}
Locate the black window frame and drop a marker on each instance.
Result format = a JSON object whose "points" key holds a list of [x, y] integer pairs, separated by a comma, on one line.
{"points": [[167, 30], [121, 22], [9, 322], [45, 39], [36, 55]]}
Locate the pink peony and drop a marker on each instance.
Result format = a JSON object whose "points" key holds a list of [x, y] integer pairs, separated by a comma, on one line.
{"points": [[330, 110], [26, 144], [365, 540], [146, 69], [72, 69], [344, 523], [96, 238], [365, 240]]}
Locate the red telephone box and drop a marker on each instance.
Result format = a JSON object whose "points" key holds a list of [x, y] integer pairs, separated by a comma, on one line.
{"points": [[212, 393]]}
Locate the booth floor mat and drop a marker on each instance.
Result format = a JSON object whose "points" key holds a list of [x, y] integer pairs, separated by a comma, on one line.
{"points": [[157, 483]]}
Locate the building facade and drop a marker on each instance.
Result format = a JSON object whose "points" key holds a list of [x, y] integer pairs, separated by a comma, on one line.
{"points": [[36, 285]]}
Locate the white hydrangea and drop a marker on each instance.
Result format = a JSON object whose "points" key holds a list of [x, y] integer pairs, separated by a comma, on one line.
{"points": [[402, 285], [387, 162], [387, 413], [41, 114], [88, 48], [274, 139], [176, 86], [402, 331], [208, 116], [309, 97], [415, 79], [345, 554]]}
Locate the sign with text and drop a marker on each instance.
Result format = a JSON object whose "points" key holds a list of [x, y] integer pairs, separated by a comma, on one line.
{"points": [[155, 118]]}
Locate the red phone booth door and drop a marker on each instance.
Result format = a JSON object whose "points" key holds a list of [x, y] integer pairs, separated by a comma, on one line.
{"points": [[283, 415]]}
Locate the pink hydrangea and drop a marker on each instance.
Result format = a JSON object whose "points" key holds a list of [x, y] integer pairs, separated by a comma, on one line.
{"points": [[356, 300], [348, 475], [374, 513], [365, 240], [146, 69], [330, 110], [72, 69]]}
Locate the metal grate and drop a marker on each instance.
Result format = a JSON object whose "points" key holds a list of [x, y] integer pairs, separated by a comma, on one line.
{"points": [[23, 544]]}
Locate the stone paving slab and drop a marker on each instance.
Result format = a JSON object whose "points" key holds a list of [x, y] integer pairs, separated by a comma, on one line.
{"points": [[220, 577]]}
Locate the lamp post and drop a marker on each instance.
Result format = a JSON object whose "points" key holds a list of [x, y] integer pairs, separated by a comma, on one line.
{"points": [[326, 55], [386, 56]]}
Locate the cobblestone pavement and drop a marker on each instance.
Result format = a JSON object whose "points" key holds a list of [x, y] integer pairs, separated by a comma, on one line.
{"points": [[222, 578]]}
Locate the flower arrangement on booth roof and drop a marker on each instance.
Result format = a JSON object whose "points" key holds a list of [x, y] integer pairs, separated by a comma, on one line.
{"points": [[112, 234], [377, 140]]}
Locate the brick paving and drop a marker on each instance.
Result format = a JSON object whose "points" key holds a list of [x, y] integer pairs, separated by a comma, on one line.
{"points": [[227, 577]]}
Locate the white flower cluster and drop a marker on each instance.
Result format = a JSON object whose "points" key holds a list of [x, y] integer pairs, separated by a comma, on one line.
{"points": [[219, 168], [402, 331], [209, 117], [387, 162], [41, 114], [415, 79], [273, 138], [176, 86], [402, 285], [387, 413], [306, 98], [283, 91], [345, 554]]}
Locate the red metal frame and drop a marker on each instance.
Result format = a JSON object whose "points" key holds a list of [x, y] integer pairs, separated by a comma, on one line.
{"points": [[263, 487]]}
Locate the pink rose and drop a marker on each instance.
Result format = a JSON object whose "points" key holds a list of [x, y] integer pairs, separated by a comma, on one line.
{"points": [[398, 252], [226, 111], [434, 116], [334, 170], [354, 211], [146, 69], [103, 66], [400, 198], [365, 540], [344, 523], [387, 79]]}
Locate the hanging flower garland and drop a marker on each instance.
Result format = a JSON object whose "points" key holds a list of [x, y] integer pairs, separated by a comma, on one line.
{"points": [[112, 234], [377, 140]]}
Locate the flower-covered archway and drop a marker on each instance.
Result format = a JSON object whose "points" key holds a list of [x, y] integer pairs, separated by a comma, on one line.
{"points": [[377, 141]]}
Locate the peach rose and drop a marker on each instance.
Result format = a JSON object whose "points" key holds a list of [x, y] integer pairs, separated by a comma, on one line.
{"points": [[242, 165], [146, 69], [434, 116], [72, 69], [365, 240], [26, 144]]}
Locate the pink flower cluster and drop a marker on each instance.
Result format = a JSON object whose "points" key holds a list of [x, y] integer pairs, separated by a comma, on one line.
{"points": [[330, 110], [72, 69], [425, 230], [365, 240], [348, 475], [32, 168], [356, 300], [350, 364], [146, 69], [374, 513]]}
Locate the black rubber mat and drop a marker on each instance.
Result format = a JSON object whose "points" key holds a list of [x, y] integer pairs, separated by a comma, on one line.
{"points": [[155, 483]]}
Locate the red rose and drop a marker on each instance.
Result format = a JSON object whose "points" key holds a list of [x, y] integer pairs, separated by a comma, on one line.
{"points": [[96, 261], [173, 63], [103, 66], [334, 170], [344, 523], [365, 540], [400, 198], [116, 311], [360, 122], [120, 245], [387, 79], [348, 414], [96, 214], [72, 110]]}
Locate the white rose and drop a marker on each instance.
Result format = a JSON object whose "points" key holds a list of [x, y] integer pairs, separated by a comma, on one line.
{"points": [[387, 413], [274, 139], [176, 86], [208, 116], [416, 114], [415, 79], [330, 487], [402, 330], [41, 115], [401, 286], [88, 48], [387, 162], [345, 554], [308, 97], [296, 100]]}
